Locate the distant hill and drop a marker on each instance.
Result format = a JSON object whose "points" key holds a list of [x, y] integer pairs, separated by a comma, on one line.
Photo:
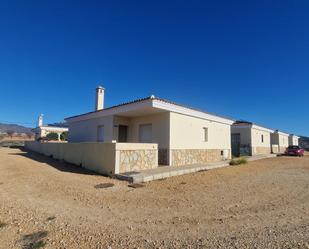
{"points": [[14, 127], [304, 142]]}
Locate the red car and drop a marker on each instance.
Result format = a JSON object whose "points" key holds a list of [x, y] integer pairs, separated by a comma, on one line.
{"points": [[294, 150]]}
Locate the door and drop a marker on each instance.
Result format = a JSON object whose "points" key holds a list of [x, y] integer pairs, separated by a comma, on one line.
{"points": [[145, 133], [122, 133], [100, 133], [235, 139]]}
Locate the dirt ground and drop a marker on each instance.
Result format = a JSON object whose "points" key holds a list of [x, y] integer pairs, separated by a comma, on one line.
{"points": [[47, 204]]}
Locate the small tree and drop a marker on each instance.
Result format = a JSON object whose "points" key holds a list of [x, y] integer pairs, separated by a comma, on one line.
{"points": [[52, 136], [64, 136], [10, 133]]}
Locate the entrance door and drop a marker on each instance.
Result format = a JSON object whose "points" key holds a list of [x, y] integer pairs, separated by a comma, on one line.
{"points": [[122, 133], [100, 133], [235, 139], [145, 133]]}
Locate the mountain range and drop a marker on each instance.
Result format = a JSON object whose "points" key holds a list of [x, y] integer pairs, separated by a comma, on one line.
{"points": [[14, 127]]}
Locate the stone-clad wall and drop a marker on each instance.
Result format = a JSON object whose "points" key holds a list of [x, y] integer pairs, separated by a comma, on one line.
{"points": [[195, 156], [262, 150], [278, 149], [136, 160]]}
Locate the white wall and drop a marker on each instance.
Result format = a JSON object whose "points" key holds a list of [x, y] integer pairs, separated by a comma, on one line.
{"points": [[280, 139], [86, 130], [160, 128], [187, 132], [283, 140], [169, 130], [103, 158], [293, 140], [256, 138]]}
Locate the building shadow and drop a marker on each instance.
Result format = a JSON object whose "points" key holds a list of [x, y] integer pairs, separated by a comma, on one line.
{"points": [[57, 164], [34, 240]]}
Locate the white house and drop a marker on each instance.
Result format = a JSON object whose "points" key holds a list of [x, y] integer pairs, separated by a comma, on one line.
{"points": [[279, 141], [184, 135], [293, 139], [250, 139], [42, 130]]}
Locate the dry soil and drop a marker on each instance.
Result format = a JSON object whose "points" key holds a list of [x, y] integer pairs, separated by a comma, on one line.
{"points": [[48, 204]]}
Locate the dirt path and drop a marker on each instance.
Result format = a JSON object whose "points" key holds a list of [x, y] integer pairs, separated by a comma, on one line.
{"points": [[264, 204]]}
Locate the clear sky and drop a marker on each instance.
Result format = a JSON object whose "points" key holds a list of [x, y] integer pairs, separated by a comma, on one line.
{"points": [[242, 59]]}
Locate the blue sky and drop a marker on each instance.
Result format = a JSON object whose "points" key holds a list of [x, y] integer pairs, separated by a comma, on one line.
{"points": [[243, 59]]}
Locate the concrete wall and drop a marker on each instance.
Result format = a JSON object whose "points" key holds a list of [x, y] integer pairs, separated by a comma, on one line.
{"points": [[87, 130], [259, 146], [280, 140], [293, 140], [187, 140], [104, 158], [251, 138], [160, 128], [188, 133], [283, 142], [256, 138]]}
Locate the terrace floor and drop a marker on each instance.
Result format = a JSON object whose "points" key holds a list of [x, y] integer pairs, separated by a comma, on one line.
{"points": [[163, 172]]}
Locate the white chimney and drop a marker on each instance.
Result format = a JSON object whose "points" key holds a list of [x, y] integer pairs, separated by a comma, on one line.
{"points": [[99, 102], [40, 120]]}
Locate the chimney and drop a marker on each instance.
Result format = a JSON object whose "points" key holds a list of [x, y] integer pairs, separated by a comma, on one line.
{"points": [[99, 102], [40, 120]]}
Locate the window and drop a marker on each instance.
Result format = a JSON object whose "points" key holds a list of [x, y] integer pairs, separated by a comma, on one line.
{"points": [[205, 134], [100, 133], [262, 138], [145, 133]]}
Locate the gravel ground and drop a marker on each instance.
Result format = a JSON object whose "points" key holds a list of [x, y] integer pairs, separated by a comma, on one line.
{"points": [[46, 204]]}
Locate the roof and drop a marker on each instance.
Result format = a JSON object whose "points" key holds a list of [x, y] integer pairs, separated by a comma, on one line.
{"points": [[150, 98], [247, 124], [282, 133], [242, 122], [254, 125], [51, 128], [108, 108]]}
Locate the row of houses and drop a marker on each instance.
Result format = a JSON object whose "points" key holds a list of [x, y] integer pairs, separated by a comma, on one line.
{"points": [[151, 132], [250, 139], [184, 135]]}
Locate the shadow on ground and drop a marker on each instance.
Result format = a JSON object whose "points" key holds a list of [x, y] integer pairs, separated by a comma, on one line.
{"points": [[34, 240], [59, 165]]}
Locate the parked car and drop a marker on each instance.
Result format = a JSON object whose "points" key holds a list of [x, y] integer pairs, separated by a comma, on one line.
{"points": [[294, 150]]}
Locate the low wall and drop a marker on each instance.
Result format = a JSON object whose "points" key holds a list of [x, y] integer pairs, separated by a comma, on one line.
{"points": [[136, 157], [275, 148], [282, 149], [104, 158], [197, 156], [261, 150]]}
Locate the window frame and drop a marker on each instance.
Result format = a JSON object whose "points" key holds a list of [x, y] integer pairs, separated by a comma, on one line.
{"points": [[205, 134]]}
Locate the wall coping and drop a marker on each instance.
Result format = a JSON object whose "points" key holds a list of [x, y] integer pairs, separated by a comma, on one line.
{"points": [[136, 146], [118, 146]]}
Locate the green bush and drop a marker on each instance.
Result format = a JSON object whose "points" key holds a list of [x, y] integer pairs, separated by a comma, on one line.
{"points": [[52, 136], [64, 136], [238, 161]]}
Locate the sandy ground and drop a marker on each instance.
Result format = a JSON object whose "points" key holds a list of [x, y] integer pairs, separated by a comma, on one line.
{"points": [[46, 204]]}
